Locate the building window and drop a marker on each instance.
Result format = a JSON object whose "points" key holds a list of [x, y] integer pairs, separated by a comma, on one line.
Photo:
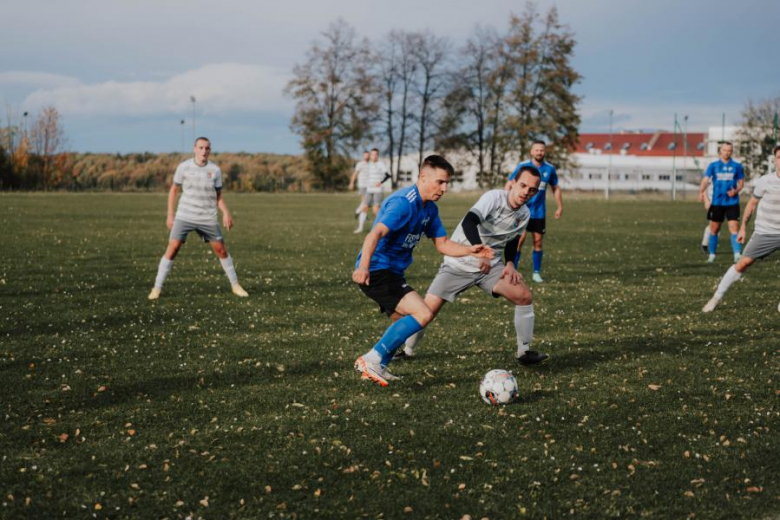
{"points": [[644, 146], [594, 176], [700, 146], [625, 146], [589, 146], [664, 177], [672, 146], [679, 177], [404, 176], [608, 146], [645, 177], [457, 177]]}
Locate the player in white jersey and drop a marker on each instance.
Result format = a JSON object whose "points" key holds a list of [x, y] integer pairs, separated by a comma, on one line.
{"points": [[766, 234], [201, 184], [378, 174], [360, 176], [497, 220]]}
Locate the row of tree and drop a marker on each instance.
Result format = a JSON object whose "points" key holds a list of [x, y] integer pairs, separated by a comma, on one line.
{"points": [[413, 92], [31, 154]]}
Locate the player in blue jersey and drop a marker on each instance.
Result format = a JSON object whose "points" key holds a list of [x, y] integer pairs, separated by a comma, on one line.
{"points": [[728, 179], [404, 218], [537, 224]]}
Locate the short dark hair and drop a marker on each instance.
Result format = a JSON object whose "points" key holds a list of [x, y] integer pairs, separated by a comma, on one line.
{"points": [[366, 151], [774, 152], [723, 143], [375, 150], [539, 142], [438, 162], [528, 168], [201, 138]]}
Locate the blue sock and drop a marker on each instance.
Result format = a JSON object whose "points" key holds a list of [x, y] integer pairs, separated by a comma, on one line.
{"points": [[395, 336], [713, 244], [517, 258], [735, 246], [537, 257]]}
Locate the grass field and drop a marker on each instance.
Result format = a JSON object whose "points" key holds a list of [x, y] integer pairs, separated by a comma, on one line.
{"points": [[207, 405]]}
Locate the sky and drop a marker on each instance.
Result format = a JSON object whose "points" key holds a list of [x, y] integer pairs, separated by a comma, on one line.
{"points": [[122, 73]]}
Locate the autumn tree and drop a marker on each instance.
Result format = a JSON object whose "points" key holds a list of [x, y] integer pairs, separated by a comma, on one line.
{"points": [[758, 133], [431, 53], [47, 140], [335, 102]]}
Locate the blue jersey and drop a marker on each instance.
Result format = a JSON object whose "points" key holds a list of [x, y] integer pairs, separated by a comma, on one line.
{"points": [[724, 177], [549, 177], [407, 219]]}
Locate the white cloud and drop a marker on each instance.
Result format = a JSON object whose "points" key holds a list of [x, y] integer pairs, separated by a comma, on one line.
{"points": [[218, 88]]}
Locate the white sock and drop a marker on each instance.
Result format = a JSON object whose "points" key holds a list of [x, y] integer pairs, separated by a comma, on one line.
{"points": [[362, 220], [729, 278], [359, 207], [705, 241], [230, 271], [162, 272], [412, 341], [524, 326]]}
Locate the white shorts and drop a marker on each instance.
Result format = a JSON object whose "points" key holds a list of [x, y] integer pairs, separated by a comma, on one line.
{"points": [[208, 232], [450, 282]]}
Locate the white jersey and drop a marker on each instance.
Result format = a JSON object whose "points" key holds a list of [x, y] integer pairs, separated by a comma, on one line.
{"points": [[198, 202], [362, 178], [499, 225], [376, 174], [768, 214]]}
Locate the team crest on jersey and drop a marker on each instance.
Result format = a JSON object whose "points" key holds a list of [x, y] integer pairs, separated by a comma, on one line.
{"points": [[211, 175]]}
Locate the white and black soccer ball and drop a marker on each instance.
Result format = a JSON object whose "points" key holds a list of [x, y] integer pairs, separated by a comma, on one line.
{"points": [[498, 387]]}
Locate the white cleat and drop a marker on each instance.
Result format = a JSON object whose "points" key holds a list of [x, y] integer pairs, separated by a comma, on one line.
{"points": [[373, 372], [358, 230], [536, 277], [155, 294], [737, 256], [239, 291], [711, 259], [714, 301]]}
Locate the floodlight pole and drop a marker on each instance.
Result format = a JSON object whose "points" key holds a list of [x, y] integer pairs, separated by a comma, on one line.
{"points": [[609, 164], [192, 99], [183, 149], [685, 151], [674, 160]]}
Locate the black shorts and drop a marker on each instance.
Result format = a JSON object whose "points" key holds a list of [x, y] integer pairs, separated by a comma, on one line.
{"points": [[387, 288], [719, 213], [536, 225]]}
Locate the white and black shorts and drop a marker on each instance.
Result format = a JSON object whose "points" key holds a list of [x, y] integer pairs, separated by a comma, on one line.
{"points": [[450, 282], [761, 246], [207, 232]]}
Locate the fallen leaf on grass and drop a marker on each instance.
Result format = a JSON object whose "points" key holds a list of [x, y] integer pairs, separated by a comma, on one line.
{"points": [[204, 502], [102, 388], [754, 489], [654, 387], [63, 437], [688, 493]]}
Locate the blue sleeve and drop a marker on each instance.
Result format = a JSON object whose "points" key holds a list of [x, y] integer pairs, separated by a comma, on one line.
{"points": [[553, 178], [514, 172], [435, 228], [396, 213], [740, 172], [710, 171]]}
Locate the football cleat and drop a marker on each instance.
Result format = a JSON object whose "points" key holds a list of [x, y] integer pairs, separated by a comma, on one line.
{"points": [[372, 371], [155, 294], [711, 258], [533, 358], [239, 291], [710, 306], [403, 354], [705, 249], [536, 277], [358, 230]]}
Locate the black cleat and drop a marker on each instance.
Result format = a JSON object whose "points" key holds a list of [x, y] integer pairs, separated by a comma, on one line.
{"points": [[705, 250], [401, 355], [533, 358]]}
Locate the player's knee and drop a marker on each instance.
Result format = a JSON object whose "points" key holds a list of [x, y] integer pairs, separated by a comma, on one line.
{"points": [[743, 264], [522, 297], [423, 316]]}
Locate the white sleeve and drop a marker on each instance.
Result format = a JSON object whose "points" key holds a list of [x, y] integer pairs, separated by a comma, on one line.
{"points": [[218, 178], [487, 203], [178, 177], [760, 188]]}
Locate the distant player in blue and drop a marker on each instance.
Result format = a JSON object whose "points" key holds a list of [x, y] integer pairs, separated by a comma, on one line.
{"points": [[404, 218], [537, 224], [728, 179]]}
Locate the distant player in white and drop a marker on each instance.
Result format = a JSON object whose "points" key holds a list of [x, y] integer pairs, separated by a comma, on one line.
{"points": [[201, 184], [360, 175], [497, 220], [705, 241], [378, 174], [766, 234]]}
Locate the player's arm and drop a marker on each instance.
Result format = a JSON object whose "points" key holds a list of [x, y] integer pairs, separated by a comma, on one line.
{"points": [[470, 226], [558, 200], [353, 179], [447, 247], [173, 193], [227, 220], [703, 187], [735, 191], [510, 252], [749, 210], [361, 274]]}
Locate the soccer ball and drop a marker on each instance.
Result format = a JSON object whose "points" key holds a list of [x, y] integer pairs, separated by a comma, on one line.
{"points": [[498, 387]]}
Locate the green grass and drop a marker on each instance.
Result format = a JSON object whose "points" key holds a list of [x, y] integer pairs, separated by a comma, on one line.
{"points": [[207, 405]]}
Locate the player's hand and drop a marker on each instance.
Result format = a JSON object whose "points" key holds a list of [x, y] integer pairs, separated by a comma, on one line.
{"points": [[731, 192], [481, 251], [169, 223], [227, 220], [701, 197], [484, 265], [741, 236], [360, 276], [559, 212], [511, 274]]}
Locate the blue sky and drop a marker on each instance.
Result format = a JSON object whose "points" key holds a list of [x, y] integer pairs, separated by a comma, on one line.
{"points": [[121, 72]]}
